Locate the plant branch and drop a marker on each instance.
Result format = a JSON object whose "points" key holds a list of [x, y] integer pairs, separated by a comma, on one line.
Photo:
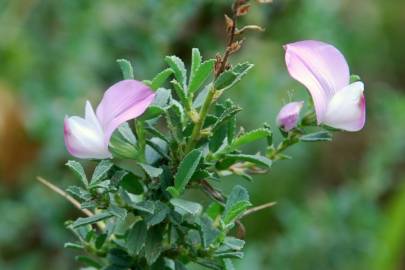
{"points": [[258, 208], [65, 195]]}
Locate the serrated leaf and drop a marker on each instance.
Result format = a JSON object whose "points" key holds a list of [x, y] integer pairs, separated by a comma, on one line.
{"points": [[187, 206], [236, 204], [186, 169], [230, 77], [100, 171], [151, 171], [90, 220], [178, 68], [126, 69], [201, 75], [136, 238], [77, 168], [255, 159], [180, 91], [79, 192], [174, 117], [153, 245], [316, 137], [195, 62], [151, 113], [249, 137], [160, 79], [227, 114]]}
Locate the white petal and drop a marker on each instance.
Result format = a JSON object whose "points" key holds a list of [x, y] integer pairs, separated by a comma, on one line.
{"points": [[346, 110], [84, 137]]}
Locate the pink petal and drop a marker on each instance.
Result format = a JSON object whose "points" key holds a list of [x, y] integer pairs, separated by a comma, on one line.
{"points": [[320, 67], [123, 101], [287, 118]]}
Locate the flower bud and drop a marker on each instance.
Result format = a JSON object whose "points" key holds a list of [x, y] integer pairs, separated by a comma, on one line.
{"points": [[287, 118]]}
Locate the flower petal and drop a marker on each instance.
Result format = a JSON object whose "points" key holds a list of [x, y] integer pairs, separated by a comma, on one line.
{"points": [[347, 109], [123, 101], [287, 118], [320, 67], [84, 137]]}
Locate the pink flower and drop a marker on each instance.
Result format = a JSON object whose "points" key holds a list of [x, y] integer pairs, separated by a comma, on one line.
{"points": [[325, 73], [287, 118], [89, 137]]}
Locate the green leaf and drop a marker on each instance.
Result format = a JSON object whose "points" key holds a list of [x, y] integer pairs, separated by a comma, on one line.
{"points": [[153, 245], [126, 69], [201, 75], [236, 204], [317, 136], [228, 265], [178, 68], [78, 169], [132, 184], [202, 95], [136, 238], [174, 117], [117, 211], [208, 230], [145, 206], [186, 169], [249, 137], [73, 246], [100, 171], [255, 159], [88, 261], [187, 206], [234, 243], [160, 79], [151, 112], [119, 258], [123, 143], [354, 78], [151, 171], [160, 213], [230, 77], [79, 192], [195, 62], [90, 220], [227, 114], [230, 254], [180, 91]]}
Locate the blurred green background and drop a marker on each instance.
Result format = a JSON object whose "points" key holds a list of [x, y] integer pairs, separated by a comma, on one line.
{"points": [[341, 205]]}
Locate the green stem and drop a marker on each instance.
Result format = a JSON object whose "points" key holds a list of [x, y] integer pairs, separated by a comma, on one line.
{"points": [[195, 135], [140, 133]]}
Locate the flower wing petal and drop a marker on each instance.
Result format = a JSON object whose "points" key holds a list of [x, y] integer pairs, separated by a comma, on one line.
{"points": [[347, 108], [84, 137]]}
